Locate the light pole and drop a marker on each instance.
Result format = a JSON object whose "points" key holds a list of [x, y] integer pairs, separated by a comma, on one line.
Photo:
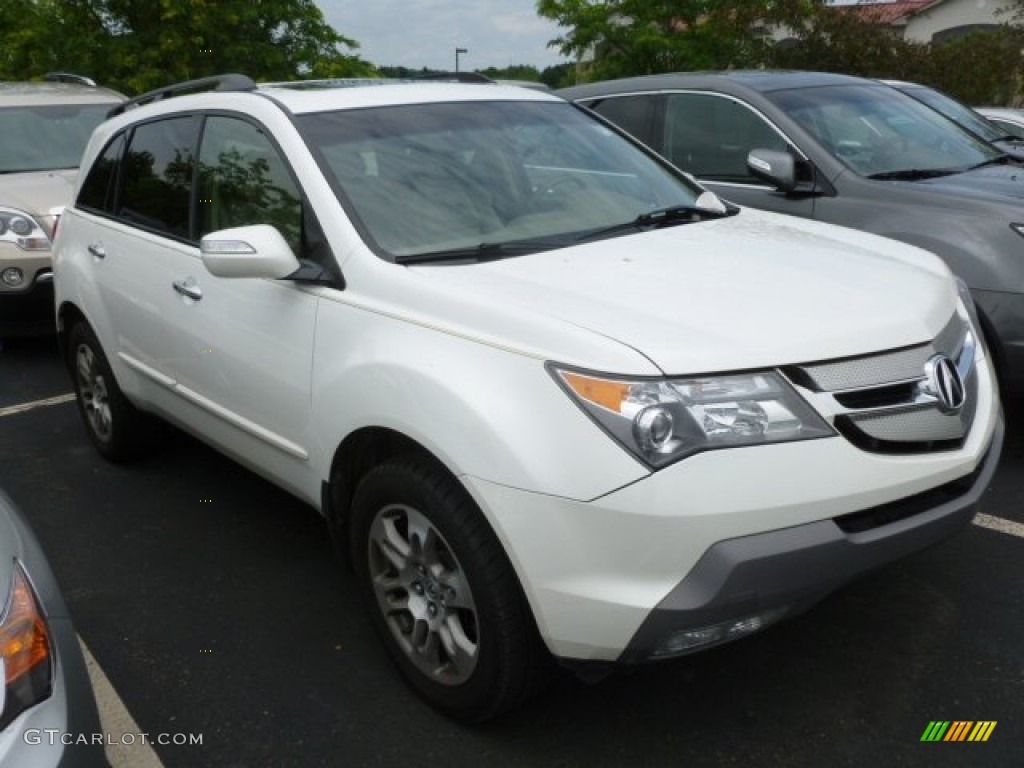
{"points": [[457, 52]]}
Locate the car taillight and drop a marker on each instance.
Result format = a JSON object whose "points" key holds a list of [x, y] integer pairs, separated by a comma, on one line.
{"points": [[26, 651]]}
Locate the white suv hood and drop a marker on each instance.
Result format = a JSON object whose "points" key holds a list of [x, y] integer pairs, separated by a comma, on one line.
{"points": [[749, 291]]}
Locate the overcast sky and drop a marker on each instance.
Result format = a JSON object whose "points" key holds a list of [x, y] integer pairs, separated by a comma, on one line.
{"points": [[425, 33]]}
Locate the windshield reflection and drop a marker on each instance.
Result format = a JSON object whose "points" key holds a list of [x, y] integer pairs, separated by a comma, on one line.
{"points": [[44, 138], [878, 131], [427, 178]]}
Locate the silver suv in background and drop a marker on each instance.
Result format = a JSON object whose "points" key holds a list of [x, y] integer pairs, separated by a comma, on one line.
{"points": [[44, 127]]}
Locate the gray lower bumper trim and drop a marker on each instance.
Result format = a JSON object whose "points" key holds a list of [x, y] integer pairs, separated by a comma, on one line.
{"points": [[798, 566]]}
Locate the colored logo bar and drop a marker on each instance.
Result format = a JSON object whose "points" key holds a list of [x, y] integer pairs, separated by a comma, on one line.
{"points": [[958, 730]]}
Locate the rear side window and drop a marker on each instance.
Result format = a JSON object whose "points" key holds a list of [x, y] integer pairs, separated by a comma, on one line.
{"points": [[97, 193], [633, 114], [157, 176]]}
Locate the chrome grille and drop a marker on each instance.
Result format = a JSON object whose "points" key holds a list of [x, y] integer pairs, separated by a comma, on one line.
{"points": [[887, 367], [886, 403]]}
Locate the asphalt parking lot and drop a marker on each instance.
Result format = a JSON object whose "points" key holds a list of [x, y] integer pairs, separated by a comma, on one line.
{"points": [[213, 605]]}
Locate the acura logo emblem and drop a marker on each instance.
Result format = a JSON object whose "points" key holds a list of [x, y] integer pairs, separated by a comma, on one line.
{"points": [[943, 382]]}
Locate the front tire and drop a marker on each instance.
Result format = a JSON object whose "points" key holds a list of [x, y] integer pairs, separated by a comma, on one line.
{"points": [[441, 592], [114, 425]]}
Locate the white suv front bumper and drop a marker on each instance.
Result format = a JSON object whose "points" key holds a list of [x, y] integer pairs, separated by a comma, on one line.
{"points": [[730, 535]]}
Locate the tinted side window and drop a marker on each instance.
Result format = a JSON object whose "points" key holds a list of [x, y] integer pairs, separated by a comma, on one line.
{"points": [[244, 180], [157, 176], [710, 136], [97, 193], [633, 114]]}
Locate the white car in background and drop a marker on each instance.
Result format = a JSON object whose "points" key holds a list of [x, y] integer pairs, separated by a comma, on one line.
{"points": [[553, 398], [1010, 120]]}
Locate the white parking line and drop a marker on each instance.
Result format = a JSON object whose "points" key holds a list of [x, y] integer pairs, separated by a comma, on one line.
{"points": [[10, 410], [1000, 524], [117, 722]]}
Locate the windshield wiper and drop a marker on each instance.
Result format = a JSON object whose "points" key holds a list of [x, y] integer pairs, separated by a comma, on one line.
{"points": [[662, 217], [482, 252], [1001, 159], [913, 174]]}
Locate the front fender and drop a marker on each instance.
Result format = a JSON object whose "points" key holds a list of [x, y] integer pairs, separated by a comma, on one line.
{"points": [[481, 409]]}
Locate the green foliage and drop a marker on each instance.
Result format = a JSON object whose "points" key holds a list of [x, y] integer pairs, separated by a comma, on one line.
{"points": [[404, 72], [515, 72], [993, 75], [837, 41], [559, 76], [619, 38], [635, 37], [843, 42], [137, 45]]}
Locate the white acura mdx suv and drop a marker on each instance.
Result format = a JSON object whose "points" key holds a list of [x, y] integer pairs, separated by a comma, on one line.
{"points": [[553, 399]]}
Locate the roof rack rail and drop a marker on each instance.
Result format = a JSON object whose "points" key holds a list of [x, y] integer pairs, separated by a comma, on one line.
{"points": [[229, 82], [68, 77], [454, 77]]}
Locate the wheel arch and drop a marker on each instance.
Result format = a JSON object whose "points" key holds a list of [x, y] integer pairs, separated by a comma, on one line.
{"points": [[356, 455], [68, 315]]}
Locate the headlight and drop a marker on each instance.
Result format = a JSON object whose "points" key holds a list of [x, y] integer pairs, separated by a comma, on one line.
{"points": [[22, 230], [26, 655], [663, 420], [965, 296]]}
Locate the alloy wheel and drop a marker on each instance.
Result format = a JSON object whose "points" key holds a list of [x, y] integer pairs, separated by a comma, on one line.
{"points": [[424, 594], [92, 389]]}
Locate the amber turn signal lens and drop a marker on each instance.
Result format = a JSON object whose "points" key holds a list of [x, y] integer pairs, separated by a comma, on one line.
{"points": [[24, 637]]}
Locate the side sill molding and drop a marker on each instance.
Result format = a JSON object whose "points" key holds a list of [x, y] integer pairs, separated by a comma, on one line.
{"points": [[270, 438]]}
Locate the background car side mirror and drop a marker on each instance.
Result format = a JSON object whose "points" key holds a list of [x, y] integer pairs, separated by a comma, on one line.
{"points": [[777, 168], [259, 250]]}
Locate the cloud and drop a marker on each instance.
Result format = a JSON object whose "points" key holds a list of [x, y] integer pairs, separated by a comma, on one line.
{"points": [[425, 33]]}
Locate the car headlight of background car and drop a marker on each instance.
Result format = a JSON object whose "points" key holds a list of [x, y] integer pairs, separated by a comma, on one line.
{"points": [[21, 229], [664, 420], [25, 650]]}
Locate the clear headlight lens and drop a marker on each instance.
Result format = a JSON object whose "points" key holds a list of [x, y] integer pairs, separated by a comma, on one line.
{"points": [[663, 420], [22, 230]]}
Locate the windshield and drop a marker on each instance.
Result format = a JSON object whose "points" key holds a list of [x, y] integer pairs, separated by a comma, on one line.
{"points": [[428, 178], [958, 113], [46, 138], [876, 130]]}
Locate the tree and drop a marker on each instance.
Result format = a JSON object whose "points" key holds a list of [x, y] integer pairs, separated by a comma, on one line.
{"points": [[559, 75], [837, 40], [137, 45], [633, 37], [516, 72], [857, 44]]}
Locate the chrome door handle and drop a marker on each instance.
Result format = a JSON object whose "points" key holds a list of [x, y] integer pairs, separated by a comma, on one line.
{"points": [[188, 287], [97, 250]]}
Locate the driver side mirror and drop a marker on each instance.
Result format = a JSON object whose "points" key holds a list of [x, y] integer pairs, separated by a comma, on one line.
{"points": [[777, 168], [258, 250]]}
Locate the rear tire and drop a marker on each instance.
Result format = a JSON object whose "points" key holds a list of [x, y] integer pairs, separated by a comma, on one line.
{"points": [[116, 427], [441, 592]]}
